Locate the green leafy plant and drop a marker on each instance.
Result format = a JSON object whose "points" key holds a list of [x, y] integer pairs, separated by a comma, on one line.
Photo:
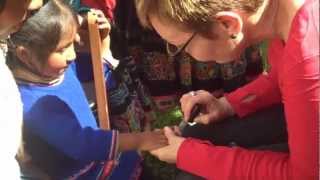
{"points": [[160, 170]]}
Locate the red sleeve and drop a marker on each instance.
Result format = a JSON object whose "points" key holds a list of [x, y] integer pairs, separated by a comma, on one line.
{"points": [[223, 163], [107, 6], [302, 113], [260, 93]]}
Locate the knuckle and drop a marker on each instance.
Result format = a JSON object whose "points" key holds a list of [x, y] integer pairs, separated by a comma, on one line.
{"points": [[181, 100], [183, 97]]}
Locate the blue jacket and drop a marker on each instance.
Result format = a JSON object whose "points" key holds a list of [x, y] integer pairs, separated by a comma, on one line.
{"points": [[61, 133]]}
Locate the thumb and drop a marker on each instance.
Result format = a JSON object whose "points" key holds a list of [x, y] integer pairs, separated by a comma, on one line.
{"points": [[203, 119], [207, 118], [169, 133]]}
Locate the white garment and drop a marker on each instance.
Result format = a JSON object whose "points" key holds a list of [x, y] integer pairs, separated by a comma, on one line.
{"points": [[11, 122]]}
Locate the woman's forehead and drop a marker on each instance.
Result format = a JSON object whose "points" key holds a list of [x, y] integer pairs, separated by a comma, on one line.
{"points": [[169, 31]]}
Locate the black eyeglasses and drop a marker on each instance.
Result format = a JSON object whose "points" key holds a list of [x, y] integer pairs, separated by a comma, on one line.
{"points": [[10, 44], [173, 50], [32, 12]]}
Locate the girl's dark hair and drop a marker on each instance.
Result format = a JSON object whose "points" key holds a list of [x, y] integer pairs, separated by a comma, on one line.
{"points": [[41, 33], [2, 4]]}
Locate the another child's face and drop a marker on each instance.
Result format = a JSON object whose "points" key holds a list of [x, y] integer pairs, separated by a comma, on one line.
{"points": [[14, 13], [59, 60]]}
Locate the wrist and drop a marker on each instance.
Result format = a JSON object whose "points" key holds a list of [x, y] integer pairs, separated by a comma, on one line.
{"points": [[129, 141], [139, 141], [227, 108], [110, 60]]}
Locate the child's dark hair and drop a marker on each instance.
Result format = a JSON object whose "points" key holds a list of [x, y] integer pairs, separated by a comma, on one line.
{"points": [[41, 33], [2, 4]]}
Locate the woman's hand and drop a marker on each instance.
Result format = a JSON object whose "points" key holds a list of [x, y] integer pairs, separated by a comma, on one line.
{"points": [[169, 153], [211, 108], [150, 140], [143, 141]]}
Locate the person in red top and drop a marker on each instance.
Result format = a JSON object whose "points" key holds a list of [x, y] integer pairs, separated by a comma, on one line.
{"points": [[107, 6], [220, 30]]}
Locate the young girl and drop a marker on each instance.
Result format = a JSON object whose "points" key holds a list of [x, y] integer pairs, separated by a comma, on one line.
{"points": [[60, 133]]}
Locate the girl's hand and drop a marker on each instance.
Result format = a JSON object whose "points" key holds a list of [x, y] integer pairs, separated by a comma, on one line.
{"points": [[144, 141], [169, 153], [212, 109], [151, 140]]}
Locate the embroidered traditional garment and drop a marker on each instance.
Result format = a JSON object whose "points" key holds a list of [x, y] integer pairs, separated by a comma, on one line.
{"points": [[129, 101]]}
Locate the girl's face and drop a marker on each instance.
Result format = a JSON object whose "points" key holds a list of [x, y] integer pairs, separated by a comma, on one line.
{"points": [[63, 55]]}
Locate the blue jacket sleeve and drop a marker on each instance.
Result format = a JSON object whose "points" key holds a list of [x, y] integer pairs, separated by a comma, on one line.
{"points": [[52, 120]]}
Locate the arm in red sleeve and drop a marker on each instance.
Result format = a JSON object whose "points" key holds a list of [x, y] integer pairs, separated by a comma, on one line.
{"points": [[301, 91], [224, 163], [260, 93]]}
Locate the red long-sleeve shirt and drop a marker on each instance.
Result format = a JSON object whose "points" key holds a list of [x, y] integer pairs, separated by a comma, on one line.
{"points": [[107, 6], [294, 79]]}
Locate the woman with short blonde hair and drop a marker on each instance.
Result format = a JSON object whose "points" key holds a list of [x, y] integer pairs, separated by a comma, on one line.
{"points": [[221, 30]]}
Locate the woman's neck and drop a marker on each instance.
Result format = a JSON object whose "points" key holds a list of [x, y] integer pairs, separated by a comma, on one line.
{"points": [[273, 20]]}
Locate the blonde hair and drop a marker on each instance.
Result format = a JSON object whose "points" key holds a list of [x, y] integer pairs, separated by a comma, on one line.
{"points": [[196, 15]]}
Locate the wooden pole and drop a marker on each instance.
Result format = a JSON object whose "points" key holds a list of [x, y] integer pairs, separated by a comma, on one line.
{"points": [[98, 71]]}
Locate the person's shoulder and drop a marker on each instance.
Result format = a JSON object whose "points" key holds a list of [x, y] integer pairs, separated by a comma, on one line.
{"points": [[5, 73], [46, 105], [310, 32], [305, 18], [304, 33], [8, 87], [310, 12], [36, 96], [314, 15]]}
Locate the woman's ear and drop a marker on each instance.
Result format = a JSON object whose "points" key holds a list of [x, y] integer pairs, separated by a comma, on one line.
{"points": [[23, 54], [231, 21]]}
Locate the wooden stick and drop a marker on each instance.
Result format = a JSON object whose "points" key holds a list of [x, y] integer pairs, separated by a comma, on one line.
{"points": [[99, 79]]}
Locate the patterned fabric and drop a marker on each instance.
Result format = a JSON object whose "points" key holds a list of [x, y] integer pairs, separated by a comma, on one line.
{"points": [[129, 102], [139, 105], [195, 75], [254, 58], [166, 77], [159, 73]]}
